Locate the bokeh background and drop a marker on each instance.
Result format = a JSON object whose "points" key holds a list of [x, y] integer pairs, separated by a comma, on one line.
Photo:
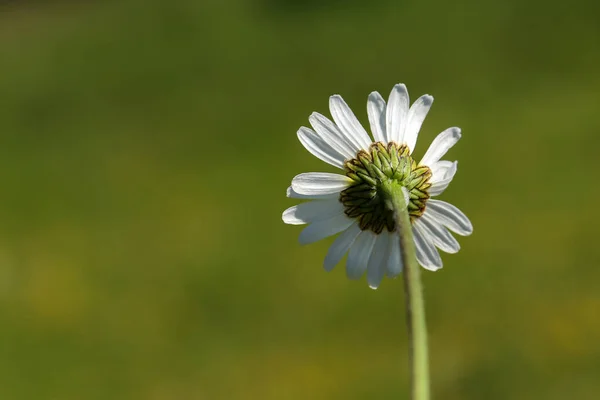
{"points": [[145, 149]]}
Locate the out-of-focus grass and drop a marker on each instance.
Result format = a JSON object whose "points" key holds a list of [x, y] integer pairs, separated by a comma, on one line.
{"points": [[145, 149]]}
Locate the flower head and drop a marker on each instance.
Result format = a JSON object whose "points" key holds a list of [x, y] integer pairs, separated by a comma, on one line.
{"points": [[354, 203]]}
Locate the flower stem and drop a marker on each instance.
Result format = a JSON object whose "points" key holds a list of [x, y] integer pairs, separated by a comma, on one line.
{"points": [[413, 293]]}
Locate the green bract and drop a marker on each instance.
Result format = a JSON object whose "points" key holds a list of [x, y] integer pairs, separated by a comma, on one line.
{"points": [[365, 198]]}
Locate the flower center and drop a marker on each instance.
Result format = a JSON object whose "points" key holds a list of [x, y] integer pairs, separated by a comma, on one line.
{"points": [[364, 199]]}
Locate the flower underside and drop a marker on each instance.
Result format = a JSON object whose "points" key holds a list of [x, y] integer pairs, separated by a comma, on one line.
{"points": [[365, 198]]}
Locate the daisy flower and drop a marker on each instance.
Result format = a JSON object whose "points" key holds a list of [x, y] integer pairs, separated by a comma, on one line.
{"points": [[352, 204]]}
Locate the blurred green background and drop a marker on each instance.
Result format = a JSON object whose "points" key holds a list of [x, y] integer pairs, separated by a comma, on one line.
{"points": [[145, 149]]}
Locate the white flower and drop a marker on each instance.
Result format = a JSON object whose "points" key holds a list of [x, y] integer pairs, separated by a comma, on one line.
{"points": [[350, 203]]}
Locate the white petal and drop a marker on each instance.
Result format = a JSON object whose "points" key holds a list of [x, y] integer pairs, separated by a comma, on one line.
{"points": [[427, 255], [378, 260], [324, 228], [310, 211], [376, 111], [416, 115], [319, 148], [394, 264], [348, 123], [292, 194], [358, 256], [440, 235], [318, 183], [439, 186], [439, 170], [440, 145], [331, 134], [449, 216], [397, 110], [340, 246]]}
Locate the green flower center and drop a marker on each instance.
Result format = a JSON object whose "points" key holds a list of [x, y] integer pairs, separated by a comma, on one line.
{"points": [[365, 200]]}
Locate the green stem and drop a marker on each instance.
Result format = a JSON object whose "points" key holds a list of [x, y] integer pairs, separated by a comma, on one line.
{"points": [[413, 292]]}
